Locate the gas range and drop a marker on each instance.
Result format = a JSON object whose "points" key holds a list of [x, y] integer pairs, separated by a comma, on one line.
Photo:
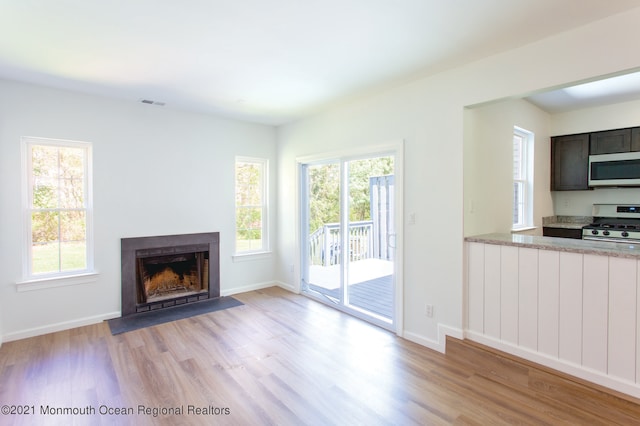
{"points": [[614, 222]]}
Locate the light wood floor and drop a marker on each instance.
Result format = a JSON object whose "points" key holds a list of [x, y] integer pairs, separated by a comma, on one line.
{"points": [[281, 359]]}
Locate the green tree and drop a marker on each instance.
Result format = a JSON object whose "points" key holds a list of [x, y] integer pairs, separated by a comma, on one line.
{"points": [[57, 184], [324, 195], [360, 172], [249, 201], [324, 190]]}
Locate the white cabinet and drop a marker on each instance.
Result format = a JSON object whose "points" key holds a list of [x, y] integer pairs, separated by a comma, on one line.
{"points": [[528, 297], [475, 293], [571, 311], [595, 304], [548, 301], [622, 318], [509, 294], [570, 308], [492, 291]]}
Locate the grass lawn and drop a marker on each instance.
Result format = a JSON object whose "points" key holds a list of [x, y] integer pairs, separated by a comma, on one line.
{"points": [[56, 257], [246, 245]]}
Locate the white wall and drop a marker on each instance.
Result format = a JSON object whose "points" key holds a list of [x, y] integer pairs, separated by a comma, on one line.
{"points": [[488, 165], [615, 116], [428, 115], [156, 172]]}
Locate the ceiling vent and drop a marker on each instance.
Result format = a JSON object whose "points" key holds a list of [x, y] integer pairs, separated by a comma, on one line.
{"points": [[150, 102]]}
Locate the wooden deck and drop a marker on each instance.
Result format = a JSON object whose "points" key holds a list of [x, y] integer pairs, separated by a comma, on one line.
{"points": [[370, 289], [375, 295]]}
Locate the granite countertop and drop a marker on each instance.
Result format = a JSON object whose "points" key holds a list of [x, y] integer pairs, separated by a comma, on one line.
{"points": [[602, 248], [566, 222]]}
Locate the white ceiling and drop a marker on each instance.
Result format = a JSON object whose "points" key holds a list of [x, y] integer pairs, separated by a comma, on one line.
{"points": [[267, 61]]}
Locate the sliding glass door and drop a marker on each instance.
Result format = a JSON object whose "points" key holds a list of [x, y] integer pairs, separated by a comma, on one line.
{"points": [[348, 228]]}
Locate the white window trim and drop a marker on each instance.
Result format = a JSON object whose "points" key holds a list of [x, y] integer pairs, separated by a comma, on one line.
{"points": [[53, 282], [253, 255], [528, 142], [265, 250], [32, 281]]}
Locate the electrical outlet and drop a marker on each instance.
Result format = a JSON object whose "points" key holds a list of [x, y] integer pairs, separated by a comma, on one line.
{"points": [[429, 311]]}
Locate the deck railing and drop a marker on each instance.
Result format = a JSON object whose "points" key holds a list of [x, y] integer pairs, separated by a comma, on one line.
{"points": [[325, 247]]}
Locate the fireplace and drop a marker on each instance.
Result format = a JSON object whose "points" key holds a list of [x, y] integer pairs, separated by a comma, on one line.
{"points": [[170, 270]]}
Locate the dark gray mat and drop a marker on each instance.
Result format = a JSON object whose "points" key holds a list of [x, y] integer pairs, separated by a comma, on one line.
{"points": [[160, 316]]}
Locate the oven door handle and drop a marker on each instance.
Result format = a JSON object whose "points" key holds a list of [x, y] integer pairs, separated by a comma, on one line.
{"points": [[611, 240]]}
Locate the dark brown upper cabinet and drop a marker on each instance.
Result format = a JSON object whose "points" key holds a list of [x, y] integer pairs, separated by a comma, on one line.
{"points": [[611, 141], [570, 162], [635, 139]]}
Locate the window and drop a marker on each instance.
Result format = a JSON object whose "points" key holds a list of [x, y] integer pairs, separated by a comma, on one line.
{"points": [[58, 208], [522, 178], [251, 205]]}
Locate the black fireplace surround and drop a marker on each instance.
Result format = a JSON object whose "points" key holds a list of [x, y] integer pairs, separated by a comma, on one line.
{"points": [[164, 271]]}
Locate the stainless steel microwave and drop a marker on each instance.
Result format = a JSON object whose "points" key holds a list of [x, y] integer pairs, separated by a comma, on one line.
{"points": [[621, 169]]}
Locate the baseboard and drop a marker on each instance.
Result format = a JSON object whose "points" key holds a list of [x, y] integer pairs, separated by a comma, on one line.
{"points": [[65, 325], [575, 370], [288, 287], [247, 288], [437, 345]]}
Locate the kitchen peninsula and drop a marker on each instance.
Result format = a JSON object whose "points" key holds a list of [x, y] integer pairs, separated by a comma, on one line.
{"points": [[569, 304]]}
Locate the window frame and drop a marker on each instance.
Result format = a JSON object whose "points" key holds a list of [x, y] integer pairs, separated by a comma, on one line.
{"points": [[525, 180], [33, 280], [264, 206]]}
